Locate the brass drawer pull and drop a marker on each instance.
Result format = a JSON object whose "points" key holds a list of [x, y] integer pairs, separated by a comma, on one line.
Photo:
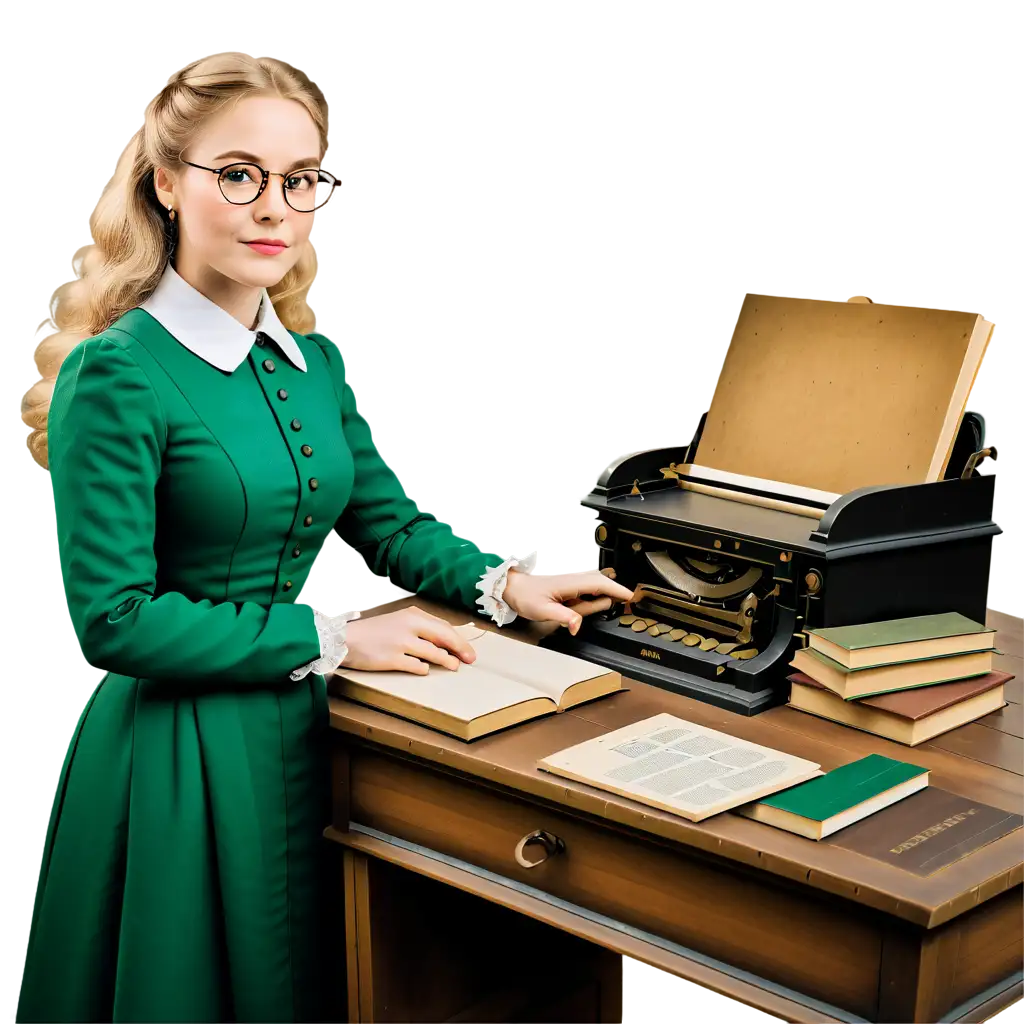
{"points": [[551, 843]]}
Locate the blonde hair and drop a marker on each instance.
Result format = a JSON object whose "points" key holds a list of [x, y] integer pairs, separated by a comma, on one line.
{"points": [[130, 227]]}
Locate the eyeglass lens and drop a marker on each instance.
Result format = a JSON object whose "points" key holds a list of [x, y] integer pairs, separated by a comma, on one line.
{"points": [[304, 190]]}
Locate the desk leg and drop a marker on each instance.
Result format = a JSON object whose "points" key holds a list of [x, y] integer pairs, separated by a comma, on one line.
{"points": [[357, 935], [420, 950]]}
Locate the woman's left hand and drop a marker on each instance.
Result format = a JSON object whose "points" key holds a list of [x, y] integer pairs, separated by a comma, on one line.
{"points": [[542, 597]]}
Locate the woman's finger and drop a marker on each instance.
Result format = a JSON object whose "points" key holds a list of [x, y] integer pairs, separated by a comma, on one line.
{"points": [[586, 606], [442, 634], [414, 665], [596, 584], [427, 651]]}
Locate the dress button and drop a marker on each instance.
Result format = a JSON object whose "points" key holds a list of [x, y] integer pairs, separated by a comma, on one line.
{"points": [[296, 551], [268, 365], [282, 394], [313, 483], [260, 340], [308, 521], [287, 585], [306, 450], [296, 425]]}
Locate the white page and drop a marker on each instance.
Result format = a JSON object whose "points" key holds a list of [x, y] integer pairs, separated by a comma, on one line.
{"points": [[550, 672], [681, 766], [465, 693]]}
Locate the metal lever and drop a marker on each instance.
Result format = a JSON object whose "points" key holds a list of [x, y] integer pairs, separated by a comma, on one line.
{"points": [[551, 843], [975, 459]]}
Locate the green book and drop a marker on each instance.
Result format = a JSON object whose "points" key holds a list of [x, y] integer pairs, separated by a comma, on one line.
{"points": [[838, 798], [897, 640]]}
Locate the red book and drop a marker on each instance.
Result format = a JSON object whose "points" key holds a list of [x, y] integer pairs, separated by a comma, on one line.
{"points": [[906, 716]]}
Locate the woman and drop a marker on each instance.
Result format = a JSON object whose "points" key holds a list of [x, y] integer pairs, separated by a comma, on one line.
{"points": [[203, 442]]}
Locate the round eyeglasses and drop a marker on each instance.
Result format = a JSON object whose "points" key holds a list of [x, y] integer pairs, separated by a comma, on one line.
{"points": [[305, 190]]}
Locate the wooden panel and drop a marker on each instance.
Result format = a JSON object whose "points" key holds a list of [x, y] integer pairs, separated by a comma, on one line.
{"points": [[351, 936], [1014, 689], [430, 952], [991, 945], [1009, 719], [927, 974], [1009, 643], [1009, 624], [827, 948], [743, 989], [975, 741], [917, 973], [510, 757]]}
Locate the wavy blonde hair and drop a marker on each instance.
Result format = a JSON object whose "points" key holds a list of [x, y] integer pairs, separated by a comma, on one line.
{"points": [[130, 227]]}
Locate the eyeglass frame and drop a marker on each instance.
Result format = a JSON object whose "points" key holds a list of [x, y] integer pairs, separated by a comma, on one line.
{"points": [[335, 182]]}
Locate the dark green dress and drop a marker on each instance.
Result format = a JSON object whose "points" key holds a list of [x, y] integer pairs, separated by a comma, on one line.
{"points": [[183, 876]]}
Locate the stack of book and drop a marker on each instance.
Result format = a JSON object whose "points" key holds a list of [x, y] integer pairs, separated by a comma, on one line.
{"points": [[905, 679]]}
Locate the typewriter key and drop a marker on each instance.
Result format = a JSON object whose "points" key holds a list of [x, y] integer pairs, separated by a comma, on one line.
{"points": [[692, 639], [658, 628], [727, 648], [677, 634], [745, 654], [639, 626], [709, 643], [627, 620]]}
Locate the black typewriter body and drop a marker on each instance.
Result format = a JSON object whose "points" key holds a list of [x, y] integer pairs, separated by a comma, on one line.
{"points": [[723, 587]]}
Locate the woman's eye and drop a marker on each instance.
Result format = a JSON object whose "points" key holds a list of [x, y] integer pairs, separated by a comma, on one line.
{"points": [[302, 182], [229, 175]]}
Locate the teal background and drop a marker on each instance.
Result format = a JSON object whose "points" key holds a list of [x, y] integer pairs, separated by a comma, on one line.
{"points": [[497, 430]]}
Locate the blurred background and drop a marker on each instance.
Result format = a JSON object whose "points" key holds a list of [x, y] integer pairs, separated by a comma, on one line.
{"points": [[549, 217]]}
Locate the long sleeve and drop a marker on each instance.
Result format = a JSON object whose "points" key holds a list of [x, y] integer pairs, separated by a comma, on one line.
{"points": [[416, 551], [492, 588], [107, 435]]}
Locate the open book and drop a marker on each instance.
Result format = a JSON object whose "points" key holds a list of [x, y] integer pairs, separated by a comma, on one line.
{"points": [[680, 766], [510, 681]]}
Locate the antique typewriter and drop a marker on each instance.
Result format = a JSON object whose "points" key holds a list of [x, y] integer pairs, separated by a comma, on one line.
{"points": [[728, 568]]}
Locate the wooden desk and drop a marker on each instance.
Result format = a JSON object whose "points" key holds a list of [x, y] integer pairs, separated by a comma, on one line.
{"points": [[442, 923]]}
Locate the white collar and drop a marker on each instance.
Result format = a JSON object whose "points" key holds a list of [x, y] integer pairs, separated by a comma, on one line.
{"points": [[211, 332]]}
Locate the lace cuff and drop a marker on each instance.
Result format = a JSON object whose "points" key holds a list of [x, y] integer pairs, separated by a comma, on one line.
{"points": [[332, 644], [492, 584]]}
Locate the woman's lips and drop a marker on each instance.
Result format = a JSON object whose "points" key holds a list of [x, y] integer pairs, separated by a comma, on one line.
{"points": [[267, 250]]}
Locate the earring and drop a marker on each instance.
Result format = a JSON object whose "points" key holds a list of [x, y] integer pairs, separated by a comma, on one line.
{"points": [[171, 233]]}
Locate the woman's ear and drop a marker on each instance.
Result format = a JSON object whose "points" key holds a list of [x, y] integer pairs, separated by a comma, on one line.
{"points": [[163, 185]]}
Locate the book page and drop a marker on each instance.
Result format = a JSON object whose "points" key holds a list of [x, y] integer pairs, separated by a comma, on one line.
{"points": [[679, 766], [547, 672], [465, 693]]}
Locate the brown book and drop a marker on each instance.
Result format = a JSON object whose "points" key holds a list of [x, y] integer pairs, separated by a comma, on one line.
{"points": [[906, 716], [510, 682], [927, 831]]}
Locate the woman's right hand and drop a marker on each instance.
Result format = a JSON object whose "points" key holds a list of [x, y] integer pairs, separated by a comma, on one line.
{"points": [[406, 641]]}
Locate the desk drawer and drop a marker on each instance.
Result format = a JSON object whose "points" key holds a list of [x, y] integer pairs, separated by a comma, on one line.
{"points": [[820, 945]]}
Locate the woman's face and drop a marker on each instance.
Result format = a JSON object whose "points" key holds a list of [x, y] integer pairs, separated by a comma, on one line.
{"points": [[213, 233]]}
